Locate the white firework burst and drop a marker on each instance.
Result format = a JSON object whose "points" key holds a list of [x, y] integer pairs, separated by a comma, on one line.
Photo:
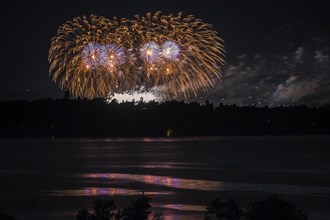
{"points": [[170, 50], [114, 56], [93, 55], [150, 52]]}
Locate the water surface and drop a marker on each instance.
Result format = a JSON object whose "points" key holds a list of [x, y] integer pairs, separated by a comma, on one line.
{"points": [[54, 178]]}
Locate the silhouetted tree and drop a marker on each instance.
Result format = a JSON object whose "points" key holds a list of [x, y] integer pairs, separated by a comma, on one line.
{"points": [[103, 210], [106, 210], [220, 210], [274, 208], [138, 210]]}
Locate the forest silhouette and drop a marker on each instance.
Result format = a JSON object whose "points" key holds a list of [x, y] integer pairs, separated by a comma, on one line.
{"points": [[97, 118], [270, 208]]}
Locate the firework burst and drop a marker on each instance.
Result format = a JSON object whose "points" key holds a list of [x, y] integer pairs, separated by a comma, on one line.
{"points": [[94, 56], [114, 57], [170, 50], [150, 52], [191, 53]]}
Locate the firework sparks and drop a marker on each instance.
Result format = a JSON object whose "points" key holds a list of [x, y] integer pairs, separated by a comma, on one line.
{"points": [[150, 52], [114, 56], [94, 56], [170, 50]]}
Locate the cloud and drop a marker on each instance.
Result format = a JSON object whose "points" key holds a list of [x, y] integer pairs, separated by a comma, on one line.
{"points": [[292, 91], [292, 66], [319, 56], [299, 53]]}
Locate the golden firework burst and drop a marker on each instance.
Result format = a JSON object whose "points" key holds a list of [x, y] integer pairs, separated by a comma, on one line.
{"points": [[95, 56]]}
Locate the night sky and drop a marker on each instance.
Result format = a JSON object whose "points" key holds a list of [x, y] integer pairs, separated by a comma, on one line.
{"points": [[277, 51]]}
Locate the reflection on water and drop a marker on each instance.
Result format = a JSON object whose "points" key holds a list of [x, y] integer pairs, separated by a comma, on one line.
{"points": [[185, 172], [160, 165], [179, 183], [205, 185], [184, 207], [95, 191]]}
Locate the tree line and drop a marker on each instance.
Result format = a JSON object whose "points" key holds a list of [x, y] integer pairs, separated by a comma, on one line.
{"points": [[98, 118], [270, 208]]}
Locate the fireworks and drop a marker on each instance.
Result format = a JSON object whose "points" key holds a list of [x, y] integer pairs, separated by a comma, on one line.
{"points": [[94, 56], [149, 52], [170, 50], [114, 56]]}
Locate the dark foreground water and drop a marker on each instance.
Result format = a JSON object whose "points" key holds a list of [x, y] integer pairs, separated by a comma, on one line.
{"points": [[54, 178]]}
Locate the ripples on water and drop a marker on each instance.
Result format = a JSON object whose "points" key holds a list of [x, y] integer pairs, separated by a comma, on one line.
{"points": [[181, 175], [95, 191], [181, 183], [167, 181]]}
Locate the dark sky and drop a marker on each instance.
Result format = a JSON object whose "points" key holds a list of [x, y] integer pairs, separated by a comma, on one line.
{"points": [[28, 26]]}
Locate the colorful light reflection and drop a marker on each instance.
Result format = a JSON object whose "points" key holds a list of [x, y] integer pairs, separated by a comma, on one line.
{"points": [[184, 207], [171, 182], [96, 191]]}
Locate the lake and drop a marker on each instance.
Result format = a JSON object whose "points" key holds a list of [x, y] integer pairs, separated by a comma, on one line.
{"points": [[54, 178]]}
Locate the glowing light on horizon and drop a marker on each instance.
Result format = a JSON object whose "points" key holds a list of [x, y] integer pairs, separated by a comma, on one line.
{"points": [[136, 96]]}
